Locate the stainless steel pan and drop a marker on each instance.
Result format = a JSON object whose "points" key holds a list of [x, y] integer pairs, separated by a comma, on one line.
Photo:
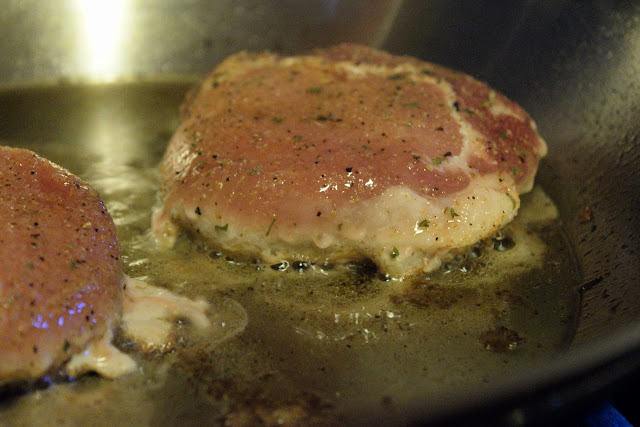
{"points": [[574, 66]]}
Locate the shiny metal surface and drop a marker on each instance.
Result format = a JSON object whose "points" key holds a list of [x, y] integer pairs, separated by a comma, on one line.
{"points": [[95, 40]]}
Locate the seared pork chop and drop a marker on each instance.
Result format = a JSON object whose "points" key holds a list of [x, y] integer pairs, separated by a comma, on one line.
{"points": [[61, 280], [60, 274], [345, 153]]}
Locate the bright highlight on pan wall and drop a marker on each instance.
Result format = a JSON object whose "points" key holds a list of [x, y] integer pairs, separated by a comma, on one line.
{"points": [[102, 23]]}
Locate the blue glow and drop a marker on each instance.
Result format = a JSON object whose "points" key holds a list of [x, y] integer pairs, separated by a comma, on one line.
{"points": [[39, 323]]}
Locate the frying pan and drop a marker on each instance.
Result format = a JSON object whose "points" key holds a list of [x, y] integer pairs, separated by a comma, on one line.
{"points": [[574, 66]]}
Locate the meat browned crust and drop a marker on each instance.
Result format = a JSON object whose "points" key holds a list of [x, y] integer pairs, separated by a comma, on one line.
{"points": [[343, 153]]}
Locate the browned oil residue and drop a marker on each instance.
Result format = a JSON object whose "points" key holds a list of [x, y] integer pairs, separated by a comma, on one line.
{"points": [[427, 295], [501, 339]]}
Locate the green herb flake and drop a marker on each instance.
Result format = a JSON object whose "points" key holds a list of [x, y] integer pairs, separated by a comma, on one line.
{"points": [[277, 120], [396, 76], [30, 266], [222, 227], [502, 134], [66, 346], [437, 160], [394, 252], [314, 90], [424, 223], [515, 170], [10, 300], [254, 171], [270, 226], [297, 137], [323, 118], [427, 72], [453, 213], [521, 151], [73, 265], [513, 201], [411, 104], [489, 102], [340, 227], [33, 212]]}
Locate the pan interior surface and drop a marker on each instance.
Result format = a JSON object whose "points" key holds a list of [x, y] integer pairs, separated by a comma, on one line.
{"points": [[318, 342]]}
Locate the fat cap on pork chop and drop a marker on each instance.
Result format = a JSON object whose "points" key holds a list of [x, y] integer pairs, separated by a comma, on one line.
{"points": [[344, 153]]}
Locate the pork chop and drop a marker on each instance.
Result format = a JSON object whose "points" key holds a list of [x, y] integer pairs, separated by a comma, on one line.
{"points": [[344, 153], [60, 274], [63, 292]]}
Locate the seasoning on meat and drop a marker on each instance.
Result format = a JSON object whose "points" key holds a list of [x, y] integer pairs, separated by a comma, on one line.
{"points": [[60, 271], [61, 280], [346, 153]]}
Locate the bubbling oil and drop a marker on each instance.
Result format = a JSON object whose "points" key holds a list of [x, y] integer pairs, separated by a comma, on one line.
{"points": [[320, 340]]}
